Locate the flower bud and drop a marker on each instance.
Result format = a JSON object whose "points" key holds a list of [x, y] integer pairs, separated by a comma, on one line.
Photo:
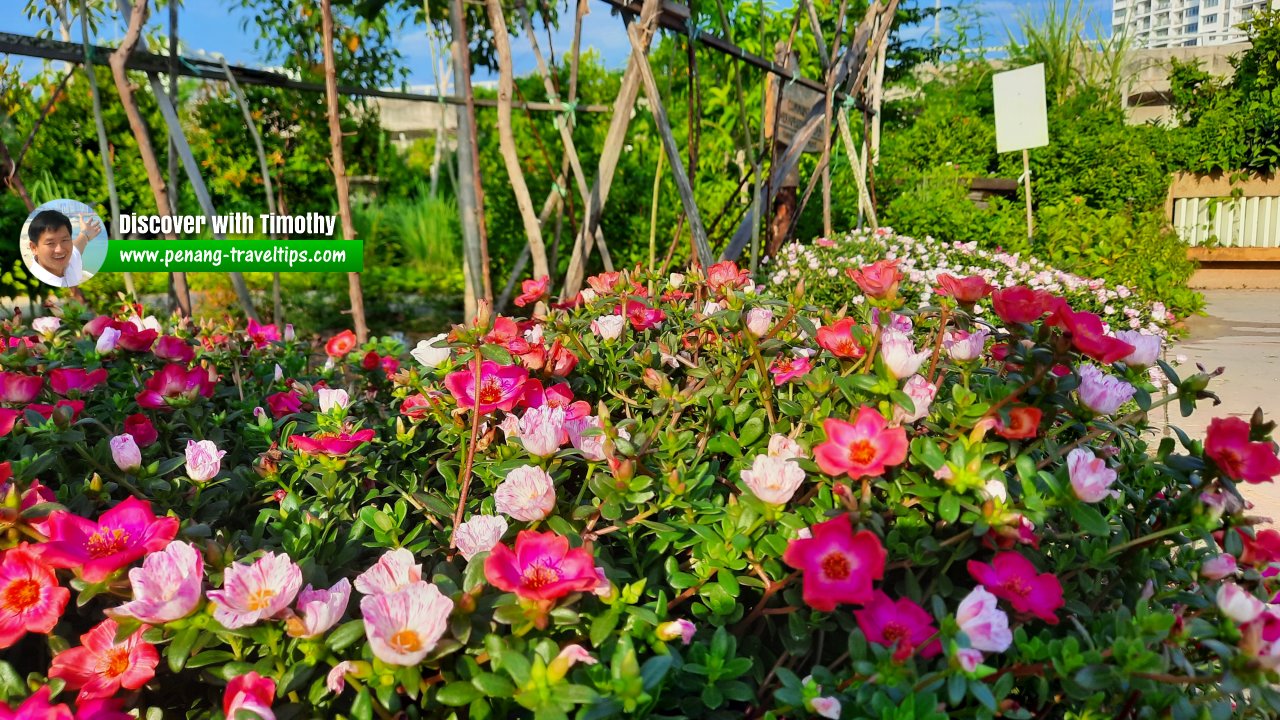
{"points": [[682, 629], [125, 452]]}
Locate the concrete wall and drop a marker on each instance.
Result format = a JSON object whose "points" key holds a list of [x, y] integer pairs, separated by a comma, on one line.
{"points": [[1149, 97]]}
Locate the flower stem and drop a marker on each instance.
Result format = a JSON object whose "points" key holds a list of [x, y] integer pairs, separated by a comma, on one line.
{"points": [[464, 483]]}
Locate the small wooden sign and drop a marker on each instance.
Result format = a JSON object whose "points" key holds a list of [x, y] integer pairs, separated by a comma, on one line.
{"points": [[797, 101]]}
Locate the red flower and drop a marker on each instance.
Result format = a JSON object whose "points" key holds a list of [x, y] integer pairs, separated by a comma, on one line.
{"points": [[901, 623], [878, 280], [121, 535], [284, 403], [864, 448], [17, 388], [1229, 447], [95, 326], [46, 411], [561, 359], [641, 316], [1020, 304], [531, 291], [838, 565], [341, 344], [370, 360], [1024, 422], [65, 380], [839, 339], [176, 386], [133, 339], [1261, 549], [31, 600], [965, 291], [251, 692], [100, 666], [174, 349], [415, 406], [501, 386], [8, 417], [1012, 577], [331, 444], [140, 427], [535, 358], [1089, 338], [727, 275], [605, 282], [542, 567]]}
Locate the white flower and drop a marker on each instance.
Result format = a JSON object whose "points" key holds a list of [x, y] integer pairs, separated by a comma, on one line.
{"points": [[329, 398], [608, 327], [47, 325], [479, 534], [428, 354]]}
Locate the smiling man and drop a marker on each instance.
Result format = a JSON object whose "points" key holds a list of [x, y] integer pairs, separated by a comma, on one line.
{"points": [[57, 255]]}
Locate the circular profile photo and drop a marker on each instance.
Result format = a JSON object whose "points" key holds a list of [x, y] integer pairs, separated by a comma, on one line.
{"points": [[63, 243]]}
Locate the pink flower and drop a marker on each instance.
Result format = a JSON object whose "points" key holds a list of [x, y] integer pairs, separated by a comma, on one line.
{"points": [[17, 389], [608, 327], [591, 446], [405, 625], [899, 354], [864, 448], [1218, 567], [1012, 577], [1228, 446], [31, 600], [47, 325], [319, 610], [758, 321], [527, 494], [1020, 304], [336, 680], [262, 335], [260, 591], [37, 707], [1089, 337], [176, 386], [879, 280], [968, 659], [166, 587], [251, 693], [100, 709], [479, 534], [681, 628], [173, 349], [900, 624], [983, 622], [500, 386], [121, 535], [531, 291], [331, 444], [542, 430], [641, 316], [963, 346], [542, 567], [826, 706], [1103, 394], [726, 275], [785, 369], [781, 446], [76, 380], [125, 452], [1146, 348], [101, 666], [966, 290], [330, 398], [838, 565], [107, 340], [204, 460], [838, 339], [772, 479], [921, 392], [1090, 477], [1238, 604], [569, 656], [395, 570]]}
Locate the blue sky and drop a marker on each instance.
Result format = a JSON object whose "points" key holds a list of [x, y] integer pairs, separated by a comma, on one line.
{"points": [[210, 26]]}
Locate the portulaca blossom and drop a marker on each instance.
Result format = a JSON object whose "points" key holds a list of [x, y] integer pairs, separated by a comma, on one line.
{"points": [[527, 494], [773, 479], [479, 534]]}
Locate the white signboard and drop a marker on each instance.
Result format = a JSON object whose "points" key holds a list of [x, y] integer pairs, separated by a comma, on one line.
{"points": [[1022, 121]]}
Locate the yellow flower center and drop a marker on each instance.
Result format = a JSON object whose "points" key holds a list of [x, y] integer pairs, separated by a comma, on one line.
{"points": [[107, 541], [260, 599], [20, 595]]}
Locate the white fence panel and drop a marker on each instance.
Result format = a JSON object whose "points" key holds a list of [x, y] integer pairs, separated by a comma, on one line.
{"points": [[1227, 222]]}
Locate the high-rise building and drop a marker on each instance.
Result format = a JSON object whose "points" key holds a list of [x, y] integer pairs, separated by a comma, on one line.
{"points": [[1183, 23]]}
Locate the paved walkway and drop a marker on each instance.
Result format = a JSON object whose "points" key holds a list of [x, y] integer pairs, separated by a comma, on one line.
{"points": [[1241, 333]]}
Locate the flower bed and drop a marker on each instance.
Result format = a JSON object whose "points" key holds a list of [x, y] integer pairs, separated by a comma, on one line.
{"points": [[823, 264], [670, 498]]}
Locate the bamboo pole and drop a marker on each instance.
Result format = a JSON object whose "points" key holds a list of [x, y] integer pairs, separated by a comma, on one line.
{"points": [[339, 165], [469, 202]]}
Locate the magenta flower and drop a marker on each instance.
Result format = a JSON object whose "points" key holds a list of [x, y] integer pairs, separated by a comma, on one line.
{"points": [[542, 567], [921, 392], [983, 622], [773, 479], [1229, 447], [403, 626], [31, 600], [331, 444], [250, 693], [641, 316], [284, 403], [527, 493], [900, 624], [784, 369], [501, 386], [479, 534], [899, 353], [16, 388], [1012, 577], [838, 564], [1101, 393], [175, 385], [262, 335], [864, 448], [166, 587], [174, 349], [319, 610], [36, 707], [69, 380], [1090, 477], [260, 591], [121, 535], [394, 570]]}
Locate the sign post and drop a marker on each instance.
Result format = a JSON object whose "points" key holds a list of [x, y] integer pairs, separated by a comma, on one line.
{"points": [[1022, 119]]}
